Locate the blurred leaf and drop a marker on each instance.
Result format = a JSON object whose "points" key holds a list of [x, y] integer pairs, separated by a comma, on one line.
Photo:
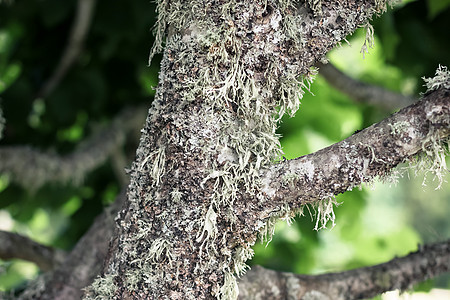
{"points": [[110, 193], [75, 132], [424, 286], [71, 206], [436, 6], [17, 271]]}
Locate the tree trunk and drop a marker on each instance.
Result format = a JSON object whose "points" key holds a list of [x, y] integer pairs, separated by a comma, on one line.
{"points": [[209, 179]]}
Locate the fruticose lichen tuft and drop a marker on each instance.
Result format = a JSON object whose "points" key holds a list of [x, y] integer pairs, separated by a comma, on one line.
{"points": [[103, 288], [440, 80], [369, 40]]}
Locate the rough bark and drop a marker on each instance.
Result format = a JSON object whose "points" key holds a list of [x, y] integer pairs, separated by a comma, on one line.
{"points": [[371, 153], [202, 186], [85, 260]]}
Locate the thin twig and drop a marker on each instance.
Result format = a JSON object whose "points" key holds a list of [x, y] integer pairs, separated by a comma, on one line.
{"points": [[73, 48], [363, 92]]}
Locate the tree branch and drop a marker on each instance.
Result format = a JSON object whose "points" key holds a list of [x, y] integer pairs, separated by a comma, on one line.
{"points": [[13, 245], [32, 168], [362, 283], [82, 264], [362, 157], [363, 92], [78, 34]]}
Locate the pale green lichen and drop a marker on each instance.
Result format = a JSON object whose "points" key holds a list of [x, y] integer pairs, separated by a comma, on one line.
{"points": [[229, 290], [369, 40], [399, 127], [324, 212], [440, 80], [242, 255], [161, 248], [432, 159], [290, 178], [210, 228], [176, 195], [103, 288], [133, 278], [434, 148], [268, 228], [157, 170], [315, 295], [316, 6]]}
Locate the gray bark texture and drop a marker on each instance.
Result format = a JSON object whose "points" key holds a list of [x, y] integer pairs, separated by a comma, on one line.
{"points": [[209, 179]]}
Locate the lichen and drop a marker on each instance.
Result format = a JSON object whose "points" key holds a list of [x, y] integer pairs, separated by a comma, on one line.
{"points": [[324, 212], [369, 40], [440, 80], [103, 288], [315, 295], [242, 255], [316, 6], [157, 158], [432, 159], [399, 127], [161, 248], [210, 228], [229, 290]]}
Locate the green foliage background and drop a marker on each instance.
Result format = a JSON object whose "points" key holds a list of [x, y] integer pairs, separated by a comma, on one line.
{"points": [[372, 225]]}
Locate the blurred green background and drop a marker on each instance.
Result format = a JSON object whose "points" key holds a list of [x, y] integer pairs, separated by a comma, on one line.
{"points": [[374, 224]]}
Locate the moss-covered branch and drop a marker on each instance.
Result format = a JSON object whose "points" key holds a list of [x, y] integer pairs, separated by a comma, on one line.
{"points": [[399, 273]]}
